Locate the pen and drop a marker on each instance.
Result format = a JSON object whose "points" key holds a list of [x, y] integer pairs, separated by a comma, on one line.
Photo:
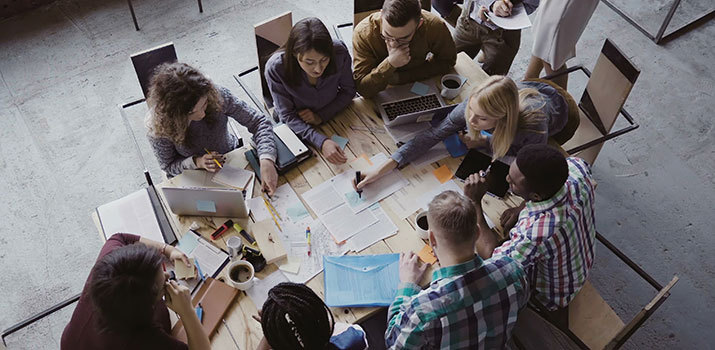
{"points": [[307, 235], [216, 161], [358, 177], [243, 233], [483, 173], [201, 274]]}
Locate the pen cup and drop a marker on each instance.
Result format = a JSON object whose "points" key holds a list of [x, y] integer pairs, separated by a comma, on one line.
{"points": [[421, 225], [234, 245], [240, 274]]}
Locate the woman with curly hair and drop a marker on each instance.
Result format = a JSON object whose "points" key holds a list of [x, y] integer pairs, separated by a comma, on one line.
{"points": [[189, 114]]}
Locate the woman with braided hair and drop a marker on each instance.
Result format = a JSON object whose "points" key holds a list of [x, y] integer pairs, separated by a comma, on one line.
{"points": [[294, 317]]}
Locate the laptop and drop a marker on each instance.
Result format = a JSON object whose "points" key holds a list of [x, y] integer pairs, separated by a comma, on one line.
{"points": [[399, 105], [204, 201], [402, 133]]}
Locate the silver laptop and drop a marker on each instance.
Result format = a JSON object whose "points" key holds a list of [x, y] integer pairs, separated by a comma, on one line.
{"points": [[399, 105], [204, 201]]}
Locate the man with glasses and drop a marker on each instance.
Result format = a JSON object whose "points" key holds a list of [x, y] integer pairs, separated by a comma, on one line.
{"points": [[398, 45]]}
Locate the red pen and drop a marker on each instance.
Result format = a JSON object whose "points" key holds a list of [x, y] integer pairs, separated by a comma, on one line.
{"points": [[222, 229]]}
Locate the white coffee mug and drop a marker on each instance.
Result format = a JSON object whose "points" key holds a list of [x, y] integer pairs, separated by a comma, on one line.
{"points": [[421, 218], [234, 245], [241, 274], [453, 86]]}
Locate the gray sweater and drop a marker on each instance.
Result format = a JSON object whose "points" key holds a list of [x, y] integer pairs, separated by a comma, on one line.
{"points": [[551, 103], [330, 95], [214, 136]]}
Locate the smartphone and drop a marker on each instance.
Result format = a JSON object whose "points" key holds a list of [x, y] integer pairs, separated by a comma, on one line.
{"points": [[475, 161]]}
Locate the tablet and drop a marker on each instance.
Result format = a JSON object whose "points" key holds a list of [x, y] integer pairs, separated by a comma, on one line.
{"points": [[475, 161]]}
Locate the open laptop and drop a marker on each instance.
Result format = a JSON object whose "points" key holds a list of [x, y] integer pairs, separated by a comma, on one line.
{"points": [[399, 105], [402, 133], [204, 201]]}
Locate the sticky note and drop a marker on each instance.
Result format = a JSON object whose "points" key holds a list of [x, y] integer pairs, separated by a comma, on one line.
{"points": [[184, 272], [188, 242], [341, 141], [208, 206], [427, 255], [443, 174], [420, 89]]}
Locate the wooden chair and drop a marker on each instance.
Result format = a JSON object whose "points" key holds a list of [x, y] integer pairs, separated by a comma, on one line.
{"points": [[134, 17], [608, 87]]}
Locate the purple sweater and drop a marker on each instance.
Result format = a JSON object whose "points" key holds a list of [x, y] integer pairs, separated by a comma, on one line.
{"points": [[330, 95]]}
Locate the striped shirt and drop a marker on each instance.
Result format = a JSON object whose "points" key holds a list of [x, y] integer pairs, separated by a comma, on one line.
{"points": [[554, 239], [472, 305]]}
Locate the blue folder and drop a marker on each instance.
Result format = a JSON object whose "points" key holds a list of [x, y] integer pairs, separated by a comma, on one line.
{"points": [[361, 280]]}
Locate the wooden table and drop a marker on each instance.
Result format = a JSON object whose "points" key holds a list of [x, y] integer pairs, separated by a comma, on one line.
{"points": [[317, 170]]}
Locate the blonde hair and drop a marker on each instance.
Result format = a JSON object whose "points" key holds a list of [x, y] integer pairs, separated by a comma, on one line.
{"points": [[513, 109], [174, 90]]}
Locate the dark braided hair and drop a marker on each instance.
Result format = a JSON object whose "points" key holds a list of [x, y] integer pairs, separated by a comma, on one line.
{"points": [[294, 317]]}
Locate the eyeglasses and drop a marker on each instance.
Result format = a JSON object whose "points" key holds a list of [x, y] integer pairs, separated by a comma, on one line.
{"points": [[399, 41]]}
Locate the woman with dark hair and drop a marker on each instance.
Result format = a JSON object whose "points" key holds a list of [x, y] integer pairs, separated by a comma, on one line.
{"points": [[294, 317], [121, 306], [189, 114], [311, 81]]}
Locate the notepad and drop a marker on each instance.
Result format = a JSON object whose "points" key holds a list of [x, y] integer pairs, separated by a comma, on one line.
{"points": [[420, 88], [443, 174], [427, 255], [341, 141], [184, 272], [361, 280]]}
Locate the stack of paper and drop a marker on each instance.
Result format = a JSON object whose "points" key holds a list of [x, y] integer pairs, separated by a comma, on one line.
{"points": [[321, 244], [383, 228]]}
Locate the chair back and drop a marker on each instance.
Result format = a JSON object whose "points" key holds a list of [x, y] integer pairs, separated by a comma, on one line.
{"points": [[146, 61], [271, 35], [612, 79], [364, 8]]}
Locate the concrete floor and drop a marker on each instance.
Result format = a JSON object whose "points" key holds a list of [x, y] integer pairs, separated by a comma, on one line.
{"points": [[64, 149]]}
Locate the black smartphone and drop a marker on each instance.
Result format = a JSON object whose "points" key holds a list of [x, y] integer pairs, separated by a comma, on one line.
{"points": [[475, 161]]}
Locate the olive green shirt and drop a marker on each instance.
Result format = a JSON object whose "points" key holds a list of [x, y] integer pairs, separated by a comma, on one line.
{"points": [[373, 72]]}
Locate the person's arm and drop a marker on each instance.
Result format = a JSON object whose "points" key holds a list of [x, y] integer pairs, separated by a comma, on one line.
{"points": [[404, 328], [371, 73], [254, 121], [445, 56], [346, 85], [170, 252], [169, 158], [283, 102], [178, 298]]}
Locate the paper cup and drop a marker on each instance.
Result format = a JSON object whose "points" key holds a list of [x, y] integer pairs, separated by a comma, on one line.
{"points": [[240, 274], [234, 245], [421, 225]]}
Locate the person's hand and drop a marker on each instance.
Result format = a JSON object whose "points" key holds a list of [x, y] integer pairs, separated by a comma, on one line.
{"points": [[269, 176], [502, 8], [468, 141], [508, 218], [398, 56], [309, 117], [258, 317], [176, 254], [411, 269], [374, 173], [207, 161], [482, 14], [476, 187], [178, 298], [332, 152]]}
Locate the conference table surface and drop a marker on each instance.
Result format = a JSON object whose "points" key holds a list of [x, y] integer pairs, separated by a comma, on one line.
{"points": [[364, 128]]}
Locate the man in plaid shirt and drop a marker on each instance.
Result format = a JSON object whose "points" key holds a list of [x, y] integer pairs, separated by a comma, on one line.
{"points": [[555, 233], [470, 304]]}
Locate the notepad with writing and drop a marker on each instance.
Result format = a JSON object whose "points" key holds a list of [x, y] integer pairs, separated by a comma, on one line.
{"points": [[215, 298], [361, 280]]}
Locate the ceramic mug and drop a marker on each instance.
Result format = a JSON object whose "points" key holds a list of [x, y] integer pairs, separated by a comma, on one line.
{"points": [[241, 274], [234, 245], [452, 85], [421, 225]]}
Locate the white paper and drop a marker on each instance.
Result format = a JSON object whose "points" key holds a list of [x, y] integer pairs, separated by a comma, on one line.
{"points": [[383, 228], [210, 258], [131, 214], [259, 291], [343, 223], [426, 198], [322, 198], [436, 153], [233, 177], [320, 244], [518, 19], [258, 208], [372, 193], [405, 202]]}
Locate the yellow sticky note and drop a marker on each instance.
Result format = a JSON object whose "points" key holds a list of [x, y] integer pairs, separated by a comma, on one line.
{"points": [[184, 272], [443, 174], [427, 255]]}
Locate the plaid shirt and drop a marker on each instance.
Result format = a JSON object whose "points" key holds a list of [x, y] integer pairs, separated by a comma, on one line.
{"points": [[554, 239], [467, 306]]}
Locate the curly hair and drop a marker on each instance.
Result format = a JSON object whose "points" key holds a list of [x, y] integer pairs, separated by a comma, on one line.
{"points": [[174, 90]]}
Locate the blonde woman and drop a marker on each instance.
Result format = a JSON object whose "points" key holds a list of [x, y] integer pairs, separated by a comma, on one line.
{"points": [[511, 115], [189, 115]]}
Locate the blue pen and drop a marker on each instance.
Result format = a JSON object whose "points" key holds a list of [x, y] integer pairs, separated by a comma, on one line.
{"points": [[201, 274]]}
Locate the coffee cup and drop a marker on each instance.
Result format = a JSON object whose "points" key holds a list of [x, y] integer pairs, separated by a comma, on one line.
{"points": [[421, 225], [451, 85], [234, 245], [240, 274]]}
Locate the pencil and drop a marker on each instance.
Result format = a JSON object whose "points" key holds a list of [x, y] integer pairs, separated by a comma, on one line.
{"points": [[268, 206], [216, 161], [271, 207]]}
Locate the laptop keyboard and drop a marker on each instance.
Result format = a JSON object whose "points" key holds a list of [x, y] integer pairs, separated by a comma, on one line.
{"points": [[411, 105]]}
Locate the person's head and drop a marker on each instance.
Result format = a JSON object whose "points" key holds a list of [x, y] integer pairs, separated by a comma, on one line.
{"points": [[399, 21], [179, 94], [294, 317], [124, 287], [452, 224], [309, 49], [498, 104], [538, 172]]}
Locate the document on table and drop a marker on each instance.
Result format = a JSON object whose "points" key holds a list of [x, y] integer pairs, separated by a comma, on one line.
{"points": [[404, 202], [133, 213], [361, 280], [383, 228], [518, 19], [322, 198], [372, 193], [286, 202], [233, 177], [321, 244], [259, 291], [210, 258]]}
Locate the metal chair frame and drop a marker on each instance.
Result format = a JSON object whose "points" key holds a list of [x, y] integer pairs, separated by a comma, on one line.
{"points": [[134, 16]]}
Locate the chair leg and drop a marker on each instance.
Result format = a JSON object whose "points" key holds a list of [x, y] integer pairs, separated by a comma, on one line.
{"points": [[134, 17], [201, 7]]}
